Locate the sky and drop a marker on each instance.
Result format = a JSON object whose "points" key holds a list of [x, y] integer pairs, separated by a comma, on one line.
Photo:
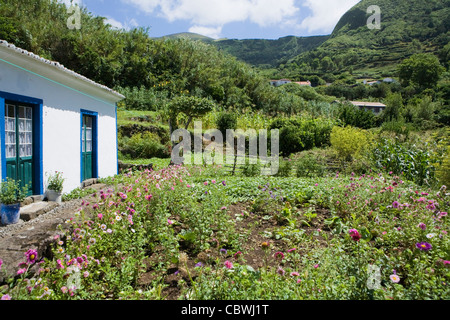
{"points": [[232, 19]]}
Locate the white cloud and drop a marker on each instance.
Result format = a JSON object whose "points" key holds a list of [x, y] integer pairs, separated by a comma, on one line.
{"points": [[207, 31], [325, 14], [211, 15], [132, 23], [114, 23]]}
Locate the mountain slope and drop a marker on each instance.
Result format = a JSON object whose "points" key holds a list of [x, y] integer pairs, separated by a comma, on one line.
{"points": [[260, 52], [188, 35], [407, 27]]}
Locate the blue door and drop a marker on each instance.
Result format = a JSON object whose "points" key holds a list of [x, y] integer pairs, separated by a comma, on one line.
{"points": [[19, 144]]}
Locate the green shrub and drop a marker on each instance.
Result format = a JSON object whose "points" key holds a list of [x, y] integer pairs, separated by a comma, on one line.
{"points": [[297, 135], [285, 168], [349, 142], [443, 170], [11, 192], [413, 163], [226, 121], [398, 127], [77, 193], [310, 166], [145, 146]]}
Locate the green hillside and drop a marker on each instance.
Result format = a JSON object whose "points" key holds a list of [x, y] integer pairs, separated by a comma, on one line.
{"points": [[269, 53], [188, 35], [407, 28]]}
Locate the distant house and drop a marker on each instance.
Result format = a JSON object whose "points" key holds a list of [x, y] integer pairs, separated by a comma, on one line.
{"points": [[277, 83], [371, 83], [53, 119], [304, 83], [385, 80], [375, 107]]}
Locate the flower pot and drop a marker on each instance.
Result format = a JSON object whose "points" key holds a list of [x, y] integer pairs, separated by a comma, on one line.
{"points": [[10, 214], [53, 195]]}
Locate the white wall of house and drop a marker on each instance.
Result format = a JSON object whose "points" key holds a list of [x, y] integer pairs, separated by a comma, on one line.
{"points": [[61, 116]]}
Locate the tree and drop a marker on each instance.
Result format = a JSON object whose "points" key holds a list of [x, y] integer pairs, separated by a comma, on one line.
{"points": [[420, 70], [191, 106], [394, 107]]}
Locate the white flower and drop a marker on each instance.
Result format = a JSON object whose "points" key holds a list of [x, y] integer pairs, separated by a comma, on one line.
{"points": [[430, 235]]}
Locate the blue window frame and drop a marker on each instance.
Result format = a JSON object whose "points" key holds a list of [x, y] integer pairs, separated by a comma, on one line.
{"points": [[37, 104]]}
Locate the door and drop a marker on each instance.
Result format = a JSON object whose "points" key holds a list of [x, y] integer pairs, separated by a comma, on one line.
{"points": [[19, 144], [87, 146]]}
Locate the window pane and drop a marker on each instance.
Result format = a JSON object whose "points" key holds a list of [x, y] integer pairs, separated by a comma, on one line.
{"points": [[11, 152], [11, 111], [11, 138], [89, 134], [22, 138], [21, 125], [11, 124], [22, 112], [29, 150], [22, 151], [88, 146]]}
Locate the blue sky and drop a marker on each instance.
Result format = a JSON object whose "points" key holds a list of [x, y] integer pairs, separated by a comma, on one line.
{"points": [[232, 19]]}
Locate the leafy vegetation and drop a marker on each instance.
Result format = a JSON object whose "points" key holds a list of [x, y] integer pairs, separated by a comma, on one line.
{"points": [[357, 210]]}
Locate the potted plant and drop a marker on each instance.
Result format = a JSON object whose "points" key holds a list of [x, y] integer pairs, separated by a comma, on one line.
{"points": [[55, 187], [11, 195]]}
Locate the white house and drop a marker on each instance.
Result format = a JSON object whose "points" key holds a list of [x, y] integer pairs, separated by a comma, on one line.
{"points": [[53, 119], [277, 83], [375, 107]]}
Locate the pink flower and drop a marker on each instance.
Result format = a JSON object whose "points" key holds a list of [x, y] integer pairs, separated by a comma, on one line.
{"points": [[169, 221], [6, 297], [281, 271], [316, 266], [205, 183], [443, 214], [21, 271], [223, 208], [422, 226], [1, 262], [31, 256], [100, 216], [395, 278], [60, 264], [64, 290], [354, 234], [279, 255], [228, 264], [295, 274], [291, 250], [149, 197]]}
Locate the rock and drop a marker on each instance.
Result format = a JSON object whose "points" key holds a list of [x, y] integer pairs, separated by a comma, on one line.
{"points": [[38, 233], [134, 167]]}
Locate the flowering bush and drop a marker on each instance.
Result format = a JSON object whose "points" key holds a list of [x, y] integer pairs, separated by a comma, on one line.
{"points": [[55, 182]]}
